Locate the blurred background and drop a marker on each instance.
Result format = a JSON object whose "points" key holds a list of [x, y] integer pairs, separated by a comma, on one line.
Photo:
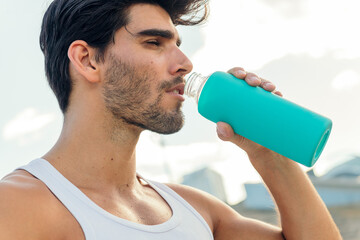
{"points": [[309, 49]]}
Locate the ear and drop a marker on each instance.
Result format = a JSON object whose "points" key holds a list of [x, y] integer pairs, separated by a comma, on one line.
{"points": [[82, 57]]}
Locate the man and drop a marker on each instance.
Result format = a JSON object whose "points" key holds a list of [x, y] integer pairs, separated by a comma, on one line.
{"points": [[116, 69]]}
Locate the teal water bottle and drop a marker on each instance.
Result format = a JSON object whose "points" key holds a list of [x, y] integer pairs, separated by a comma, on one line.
{"points": [[261, 116]]}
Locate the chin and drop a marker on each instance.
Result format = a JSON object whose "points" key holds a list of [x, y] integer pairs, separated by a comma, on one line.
{"points": [[170, 125]]}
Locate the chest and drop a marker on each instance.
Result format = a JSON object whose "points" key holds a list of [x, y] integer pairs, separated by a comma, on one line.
{"points": [[149, 211], [155, 223]]}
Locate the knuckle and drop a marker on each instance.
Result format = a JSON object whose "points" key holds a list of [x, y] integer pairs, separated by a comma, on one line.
{"points": [[235, 69], [264, 81]]}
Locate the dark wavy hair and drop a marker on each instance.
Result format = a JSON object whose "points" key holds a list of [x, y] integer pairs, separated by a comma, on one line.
{"points": [[95, 22]]}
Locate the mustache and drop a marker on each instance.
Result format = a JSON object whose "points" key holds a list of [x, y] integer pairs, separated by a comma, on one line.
{"points": [[171, 83]]}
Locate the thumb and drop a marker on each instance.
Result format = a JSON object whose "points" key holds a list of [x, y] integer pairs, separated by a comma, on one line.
{"points": [[226, 133]]}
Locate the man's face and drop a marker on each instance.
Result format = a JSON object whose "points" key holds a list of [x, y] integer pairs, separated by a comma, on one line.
{"points": [[144, 72]]}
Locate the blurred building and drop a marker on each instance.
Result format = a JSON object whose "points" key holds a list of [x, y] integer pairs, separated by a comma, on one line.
{"points": [[349, 170], [207, 180], [338, 187]]}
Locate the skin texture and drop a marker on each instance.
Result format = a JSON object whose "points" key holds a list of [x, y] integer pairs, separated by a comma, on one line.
{"points": [[96, 148], [127, 88]]}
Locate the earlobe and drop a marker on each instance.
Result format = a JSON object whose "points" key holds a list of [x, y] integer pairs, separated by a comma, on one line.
{"points": [[82, 57]]}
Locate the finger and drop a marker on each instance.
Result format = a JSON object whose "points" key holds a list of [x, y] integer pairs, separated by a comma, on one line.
{"points": [[238, 72], [252, 79], [226, 133], [267, 85], [278, 93]]}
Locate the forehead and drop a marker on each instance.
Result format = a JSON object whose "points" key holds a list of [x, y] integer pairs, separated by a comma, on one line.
{"points": [[148, 16]]}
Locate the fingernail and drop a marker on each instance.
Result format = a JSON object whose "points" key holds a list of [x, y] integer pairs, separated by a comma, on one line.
{"points": [[220, 132]]}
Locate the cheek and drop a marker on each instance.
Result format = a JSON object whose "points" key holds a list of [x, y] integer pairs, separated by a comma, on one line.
{"points": [[153, 74]]}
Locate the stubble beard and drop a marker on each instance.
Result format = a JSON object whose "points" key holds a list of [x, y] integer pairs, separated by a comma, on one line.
{"points": [[126, 92]]}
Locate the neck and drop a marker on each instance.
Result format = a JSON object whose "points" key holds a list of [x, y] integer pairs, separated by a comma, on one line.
{"points": [[95, 154]]}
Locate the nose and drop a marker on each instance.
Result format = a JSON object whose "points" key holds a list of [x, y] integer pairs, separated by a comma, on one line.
{"points": [[181, 64]]}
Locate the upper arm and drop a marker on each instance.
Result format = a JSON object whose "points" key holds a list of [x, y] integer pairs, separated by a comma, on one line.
{"points": [[225, 222], [234, 226], [24, 208], [15, 220]]}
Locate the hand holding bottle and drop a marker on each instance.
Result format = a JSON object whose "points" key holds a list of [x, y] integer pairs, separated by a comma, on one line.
{"points": [[253, 80], [259, 115], [225, 131]]}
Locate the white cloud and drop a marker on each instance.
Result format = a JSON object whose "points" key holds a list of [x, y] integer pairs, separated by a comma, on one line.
{"points": [[253, 33], [346, 80], [26, 122]]}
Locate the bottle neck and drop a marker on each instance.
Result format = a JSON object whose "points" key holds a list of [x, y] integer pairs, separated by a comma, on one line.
{"points": [[194, 85]]}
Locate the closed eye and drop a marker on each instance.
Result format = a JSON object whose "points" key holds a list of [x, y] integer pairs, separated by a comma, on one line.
{"points": [[153, 42]]}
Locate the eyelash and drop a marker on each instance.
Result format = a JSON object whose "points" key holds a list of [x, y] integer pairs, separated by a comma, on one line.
{"points": [[158, 43], [153, 42]]}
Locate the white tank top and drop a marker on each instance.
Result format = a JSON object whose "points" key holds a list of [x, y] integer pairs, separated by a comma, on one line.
{"points": [[185, 224]]}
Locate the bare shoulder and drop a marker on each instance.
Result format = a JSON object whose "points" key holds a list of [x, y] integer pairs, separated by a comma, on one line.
{"points": [[225, 222], [19, 191], [204, 203], [20, 183], [28, 209]]}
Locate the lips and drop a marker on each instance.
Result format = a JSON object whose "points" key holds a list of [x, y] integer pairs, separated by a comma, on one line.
{"points": [[178, 89]]}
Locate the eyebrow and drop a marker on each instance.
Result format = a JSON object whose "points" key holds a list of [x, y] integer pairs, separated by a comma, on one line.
{"points": [[159, 33]]}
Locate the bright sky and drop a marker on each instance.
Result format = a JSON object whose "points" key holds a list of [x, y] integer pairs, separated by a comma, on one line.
{"points": [[309, 49]]}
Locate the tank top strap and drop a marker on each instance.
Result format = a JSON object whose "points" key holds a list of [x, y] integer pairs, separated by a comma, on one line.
{"points": [[70, 196], [163, 187]]}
